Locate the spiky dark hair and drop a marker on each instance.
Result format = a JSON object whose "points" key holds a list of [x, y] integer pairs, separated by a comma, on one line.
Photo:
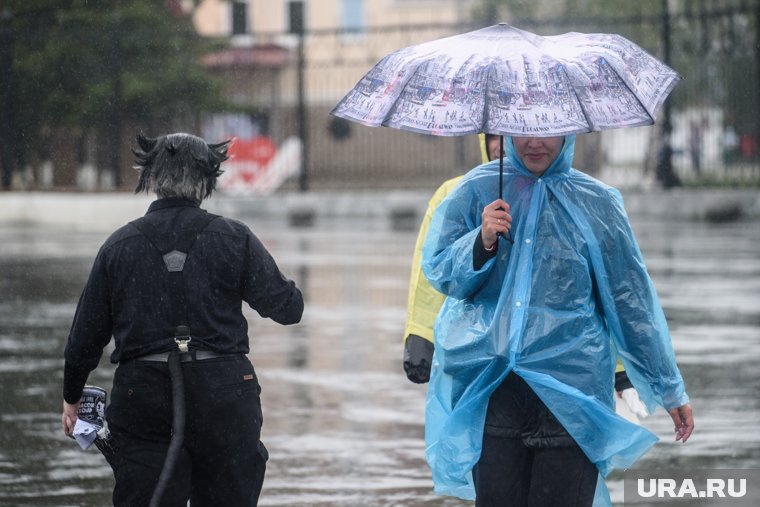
{"points": [[179, 165]]}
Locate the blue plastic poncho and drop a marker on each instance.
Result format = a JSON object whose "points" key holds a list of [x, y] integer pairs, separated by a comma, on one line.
{"points": [[557, 308]]}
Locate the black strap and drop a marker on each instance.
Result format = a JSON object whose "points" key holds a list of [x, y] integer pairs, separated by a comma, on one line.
{"points": [[174, 254], [179, 418]]}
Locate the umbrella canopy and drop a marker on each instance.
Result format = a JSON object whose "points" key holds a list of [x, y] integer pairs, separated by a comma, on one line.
{"points": [[503, 80]]}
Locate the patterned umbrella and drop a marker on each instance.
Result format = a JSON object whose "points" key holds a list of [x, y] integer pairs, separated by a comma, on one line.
{"points": [[506, 81]]}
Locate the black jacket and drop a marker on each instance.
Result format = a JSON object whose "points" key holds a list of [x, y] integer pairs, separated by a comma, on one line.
{"points": [[127, 294]]}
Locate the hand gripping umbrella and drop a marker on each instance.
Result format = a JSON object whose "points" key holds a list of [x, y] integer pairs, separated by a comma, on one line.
{"points": [[505, 81]]}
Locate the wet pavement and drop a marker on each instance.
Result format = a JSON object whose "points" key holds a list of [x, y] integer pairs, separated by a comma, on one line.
{"points": [[343, 425]]}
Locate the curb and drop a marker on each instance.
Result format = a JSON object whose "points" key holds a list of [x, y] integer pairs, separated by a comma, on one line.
{"points": [[399, 210]]}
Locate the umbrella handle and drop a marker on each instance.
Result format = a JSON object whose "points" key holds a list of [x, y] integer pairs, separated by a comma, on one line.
{"points": [[509, 232]]}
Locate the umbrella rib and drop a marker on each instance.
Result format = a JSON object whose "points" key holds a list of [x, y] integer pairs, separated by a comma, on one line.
{"points": [[395, 105], [486, 118], [664, 95], [580, 102], [627, 87], [673, 82]]}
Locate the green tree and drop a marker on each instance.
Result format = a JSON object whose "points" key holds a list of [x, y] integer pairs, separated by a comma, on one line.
{"points": [[89, 67]]}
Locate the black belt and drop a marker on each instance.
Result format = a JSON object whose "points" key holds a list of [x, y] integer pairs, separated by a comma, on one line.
{"points": [[195, 355]]}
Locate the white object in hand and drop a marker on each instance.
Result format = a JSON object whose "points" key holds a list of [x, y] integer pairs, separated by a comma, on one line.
{"points": [[629, 406], [85, 433]]}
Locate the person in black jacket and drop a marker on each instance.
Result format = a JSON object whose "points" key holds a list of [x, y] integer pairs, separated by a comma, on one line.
{"points": [[169, 288]]}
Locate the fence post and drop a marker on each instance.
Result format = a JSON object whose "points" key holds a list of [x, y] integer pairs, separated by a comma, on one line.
{"points": [[757, 69], [303, 131], [115, 109], [7, 155], [665, 173]]}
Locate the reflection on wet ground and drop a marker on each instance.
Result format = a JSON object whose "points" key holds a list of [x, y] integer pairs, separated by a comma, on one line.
{"points": [[343, 425]]}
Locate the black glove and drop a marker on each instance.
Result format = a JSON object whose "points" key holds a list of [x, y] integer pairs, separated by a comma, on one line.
{"points": [[418, 357], [622, 382]]}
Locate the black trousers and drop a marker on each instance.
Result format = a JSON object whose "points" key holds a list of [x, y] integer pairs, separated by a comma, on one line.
{"points": [[528, 459], [222, 461]]}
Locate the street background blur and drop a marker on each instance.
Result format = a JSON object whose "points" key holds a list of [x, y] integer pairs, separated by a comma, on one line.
{"points": [[78, 80]]}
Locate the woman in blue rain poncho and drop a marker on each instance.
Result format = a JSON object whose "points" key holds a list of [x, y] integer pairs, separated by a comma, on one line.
{"points": [[520, 403]]}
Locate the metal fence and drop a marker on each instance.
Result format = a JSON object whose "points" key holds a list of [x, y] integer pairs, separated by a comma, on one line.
{"points": [[713, 113]]}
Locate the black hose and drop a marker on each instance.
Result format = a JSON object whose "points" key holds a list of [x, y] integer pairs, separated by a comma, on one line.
{"points": [[178, 428]]}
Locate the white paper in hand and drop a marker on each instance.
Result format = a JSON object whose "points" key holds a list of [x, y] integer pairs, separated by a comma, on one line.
{"points": [[85, 433]]}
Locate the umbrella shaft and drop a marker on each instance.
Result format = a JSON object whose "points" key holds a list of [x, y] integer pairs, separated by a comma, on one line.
{"points": [[501, 167]]}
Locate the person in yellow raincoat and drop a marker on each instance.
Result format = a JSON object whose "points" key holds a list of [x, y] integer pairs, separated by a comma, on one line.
{"points": [[424, 302]]}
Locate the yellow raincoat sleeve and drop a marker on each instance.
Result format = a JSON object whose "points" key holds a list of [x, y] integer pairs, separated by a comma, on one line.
{"points": [[424, 301]]}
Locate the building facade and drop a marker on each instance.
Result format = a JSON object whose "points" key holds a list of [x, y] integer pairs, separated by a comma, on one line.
{"points": [[288, 62]]}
